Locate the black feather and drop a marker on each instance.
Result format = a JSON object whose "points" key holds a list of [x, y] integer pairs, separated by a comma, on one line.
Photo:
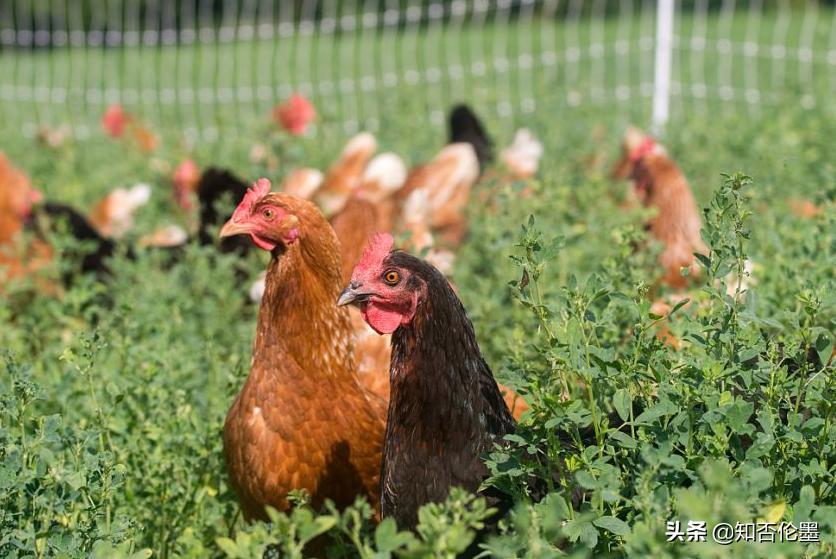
{"points": [[219, 188], [92, 258], [445, 408], [465, 126]]}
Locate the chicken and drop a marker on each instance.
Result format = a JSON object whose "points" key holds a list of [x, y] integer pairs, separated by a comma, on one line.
{"points": [[465, 127], [522, 157], [166, 236], [17, 199], [92, 257], [415, 221], [215, 189], [448, 180], [449, 177], [367, 211], [113, 215], [384, 176], [659, 184], [802, 208], [185, 179], [635, 146], [302, 420], [445, 409], [116, 121], [302, 183], [344, 175]]}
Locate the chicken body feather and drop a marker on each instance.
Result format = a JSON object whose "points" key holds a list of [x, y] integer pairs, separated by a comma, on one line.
{"points": [[445, 407], [302, 419]]}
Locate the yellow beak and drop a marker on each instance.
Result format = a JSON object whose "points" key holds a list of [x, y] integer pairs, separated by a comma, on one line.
{"points": [[231, 228]]}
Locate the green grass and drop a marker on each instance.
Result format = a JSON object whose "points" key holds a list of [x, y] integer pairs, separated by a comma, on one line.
{"points": [[111, 407]]}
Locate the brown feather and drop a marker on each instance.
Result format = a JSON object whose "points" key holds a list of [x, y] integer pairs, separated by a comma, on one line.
{"points": [[17, 258], [677, 222], [302, 420]]}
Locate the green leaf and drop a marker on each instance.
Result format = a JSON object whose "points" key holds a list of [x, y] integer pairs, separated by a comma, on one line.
{"points": [[586, 480], [655, 412], [824, 345], [679, 305], [738, 415], [803, 508], [623, 439], [621, 400], [612, 524], [387, 538], [228, 546], [704, 260]]}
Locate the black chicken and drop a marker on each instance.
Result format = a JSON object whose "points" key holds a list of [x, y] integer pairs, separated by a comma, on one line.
{"points": [[445, 408], [94, 250]]}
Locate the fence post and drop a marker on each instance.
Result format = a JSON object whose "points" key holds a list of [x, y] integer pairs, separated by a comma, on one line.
{"points": [[662, 64]]}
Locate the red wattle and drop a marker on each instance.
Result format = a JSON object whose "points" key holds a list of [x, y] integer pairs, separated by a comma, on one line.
{"points": [[263, 244], [382, 321]]}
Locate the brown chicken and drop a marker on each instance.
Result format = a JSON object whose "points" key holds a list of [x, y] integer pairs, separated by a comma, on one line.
{"points": [[17, 197], [659, 184], [302, 183], [369, 210], [344, 175], [522, 157], [302, 420], [113, 215], [805, 209], [448, 180], [415, 222]]}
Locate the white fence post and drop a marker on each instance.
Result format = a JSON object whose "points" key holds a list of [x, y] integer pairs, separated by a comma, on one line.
{"points": [[662, 64]]}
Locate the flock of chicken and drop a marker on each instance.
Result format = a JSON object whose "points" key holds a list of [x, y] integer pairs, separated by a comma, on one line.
{"points": [[366, 376]]}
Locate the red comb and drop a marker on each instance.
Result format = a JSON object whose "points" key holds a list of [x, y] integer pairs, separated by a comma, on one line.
{"points": [[642, 149], [378, 248], [259, 190]]}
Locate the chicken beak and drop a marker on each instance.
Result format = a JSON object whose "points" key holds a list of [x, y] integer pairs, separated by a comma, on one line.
{"points": [[351, 295], [232, 228]]}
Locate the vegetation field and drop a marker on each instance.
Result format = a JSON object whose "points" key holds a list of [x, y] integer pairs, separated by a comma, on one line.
{"points": [[113, 395]]}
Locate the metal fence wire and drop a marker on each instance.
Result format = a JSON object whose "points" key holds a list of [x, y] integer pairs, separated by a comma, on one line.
{"points": [[208, 65]]}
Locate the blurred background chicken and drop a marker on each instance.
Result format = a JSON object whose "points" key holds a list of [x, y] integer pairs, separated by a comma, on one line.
{"points": [[22, 208], [344, 175], [522, 156], [369, 210], [302, 183], [217, 192], [415, 222], [370, 207], [659, 184], [113, 215], [448, 179], [17, 198], [464, 126], [185, 179]]}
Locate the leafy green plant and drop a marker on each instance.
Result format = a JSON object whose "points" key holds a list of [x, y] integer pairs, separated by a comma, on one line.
{"points": [[113, 403]]}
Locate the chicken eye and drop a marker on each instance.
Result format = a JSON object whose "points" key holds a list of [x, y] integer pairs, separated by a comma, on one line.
{"points": [[268, 213], [392, 277]]}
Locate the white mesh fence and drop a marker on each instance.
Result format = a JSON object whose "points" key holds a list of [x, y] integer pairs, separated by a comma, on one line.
{"points": [[208, 65]]}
